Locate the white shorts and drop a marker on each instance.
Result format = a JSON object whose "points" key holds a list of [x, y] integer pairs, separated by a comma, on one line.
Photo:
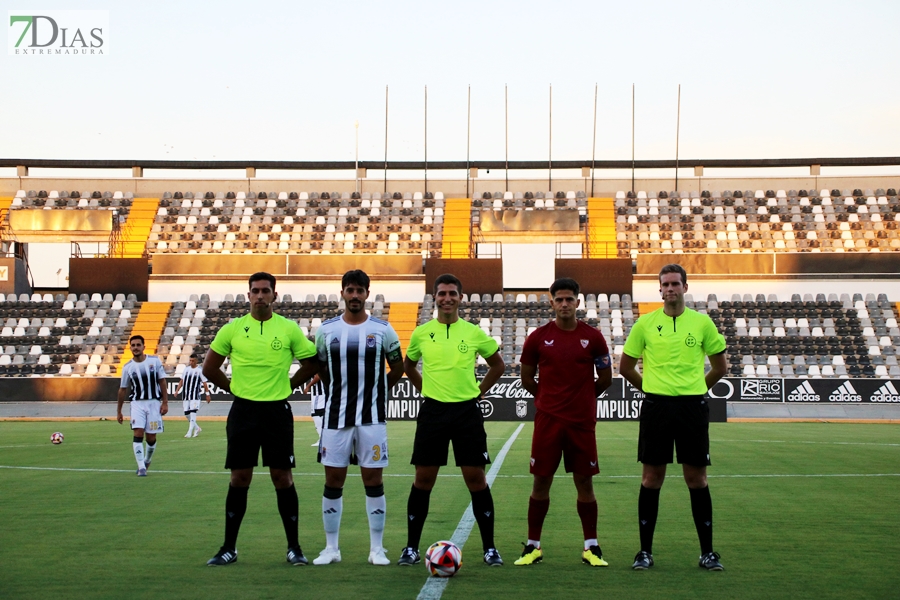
{"points": [[145, 415], [317, 403], [190, 406], [367, 442]]}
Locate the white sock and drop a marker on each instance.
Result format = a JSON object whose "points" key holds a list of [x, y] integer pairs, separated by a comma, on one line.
{"points": [[150, 450], [535, 543], [318, 423], [331, 518], [190, 423], [589, 543], [376, 509], [194, 421], [138, 448]]}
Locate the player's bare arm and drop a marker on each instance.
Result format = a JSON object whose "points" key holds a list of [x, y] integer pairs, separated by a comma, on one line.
{"points": [[412, 373], [628, 370], [395, 372], [495, 372], [163, 394], [309, 368], [603, 381], [206, 388], [309, 384], [718, 367], [528, 380], [120, 400], [212, 370]]}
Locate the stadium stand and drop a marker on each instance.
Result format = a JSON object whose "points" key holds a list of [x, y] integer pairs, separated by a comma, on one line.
{"points": [[808, 335]]}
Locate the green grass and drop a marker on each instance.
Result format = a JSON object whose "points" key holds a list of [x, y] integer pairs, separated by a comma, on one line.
{"points": [[800, 512]]}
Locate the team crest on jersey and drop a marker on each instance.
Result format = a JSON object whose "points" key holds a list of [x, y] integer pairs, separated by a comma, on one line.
{"points": [[370, 340], [463, 347], [690, 341], [584, 343], [276, 344]]}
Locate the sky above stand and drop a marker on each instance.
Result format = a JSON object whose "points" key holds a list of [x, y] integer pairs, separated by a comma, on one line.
{"points": [[288, 81]]}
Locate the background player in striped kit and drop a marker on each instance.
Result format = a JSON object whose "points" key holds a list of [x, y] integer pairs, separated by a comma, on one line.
{"points": [[192, 381], [353, 349], [149, 401], [316, 390]]}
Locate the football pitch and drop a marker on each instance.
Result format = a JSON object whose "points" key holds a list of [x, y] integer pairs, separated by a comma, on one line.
{"points": [[802, 510]]}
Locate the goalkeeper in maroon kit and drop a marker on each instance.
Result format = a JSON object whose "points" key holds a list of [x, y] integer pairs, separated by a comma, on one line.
{"points": [[565, 353]]}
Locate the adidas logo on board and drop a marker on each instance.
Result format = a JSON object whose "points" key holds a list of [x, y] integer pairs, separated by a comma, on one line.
{"points": [[886, 393], [845, 393], [803, 393]]}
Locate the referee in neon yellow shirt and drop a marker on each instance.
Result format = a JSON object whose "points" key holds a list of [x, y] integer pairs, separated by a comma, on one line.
{"points": [[262, 345], [448, 347], [674, 342]]}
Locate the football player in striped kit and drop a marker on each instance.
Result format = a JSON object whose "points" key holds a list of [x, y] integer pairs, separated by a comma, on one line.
{"points": [[316, 390], [146, 378], [192, 382], [353, 350]]}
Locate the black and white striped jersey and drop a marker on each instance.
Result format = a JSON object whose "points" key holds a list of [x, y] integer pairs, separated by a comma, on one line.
{"points": [[192, 383], [143, 378], [317, 396], [356, 358]]}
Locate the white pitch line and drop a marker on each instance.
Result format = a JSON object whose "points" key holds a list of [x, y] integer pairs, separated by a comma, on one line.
{"points": [[434, 586], [492, 475]]}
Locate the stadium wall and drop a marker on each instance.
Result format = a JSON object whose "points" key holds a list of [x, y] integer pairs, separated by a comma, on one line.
{"points": [[394, 290]]}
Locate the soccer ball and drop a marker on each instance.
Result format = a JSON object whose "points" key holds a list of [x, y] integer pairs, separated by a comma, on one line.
{"points": [[57, 437], [443, 559]]}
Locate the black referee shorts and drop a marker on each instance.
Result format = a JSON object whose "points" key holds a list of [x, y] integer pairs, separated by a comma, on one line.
{"points": [[682, 421], [439, 424], [254, 425]]}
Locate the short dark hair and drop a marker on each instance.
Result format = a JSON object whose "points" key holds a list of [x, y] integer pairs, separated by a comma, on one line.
{"points": [[194, 355], [356, 276], [137, 337], [564, 283], [261, 276], [447, 278], [674, 268]]}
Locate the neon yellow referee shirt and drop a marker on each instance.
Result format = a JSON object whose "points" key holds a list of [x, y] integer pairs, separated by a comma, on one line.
{"points": [[448, 354], [674, 349], [261, 354]]}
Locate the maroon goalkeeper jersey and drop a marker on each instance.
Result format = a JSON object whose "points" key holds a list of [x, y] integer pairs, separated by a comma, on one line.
{"points": [[565, 362]]}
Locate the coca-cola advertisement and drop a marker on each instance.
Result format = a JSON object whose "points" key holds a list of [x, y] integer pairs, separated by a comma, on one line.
{"points": [[507, 400]]}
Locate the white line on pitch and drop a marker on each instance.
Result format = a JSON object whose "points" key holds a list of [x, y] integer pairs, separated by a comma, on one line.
{"points": [[492, 475], [434, 586]]}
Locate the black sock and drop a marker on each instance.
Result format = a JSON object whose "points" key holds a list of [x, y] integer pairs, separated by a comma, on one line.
{"points": [[701, 508], [483, 507], [288, 509], [416, 513], [648, 508], [235, 507]]}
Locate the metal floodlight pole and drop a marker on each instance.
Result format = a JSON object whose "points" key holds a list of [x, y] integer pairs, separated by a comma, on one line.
{"points": [[550, 146], [594, 144], [506, 117], [426, 139], [632, 138], [677, 136], [385, 136], [468, 134], [356, 125]]}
